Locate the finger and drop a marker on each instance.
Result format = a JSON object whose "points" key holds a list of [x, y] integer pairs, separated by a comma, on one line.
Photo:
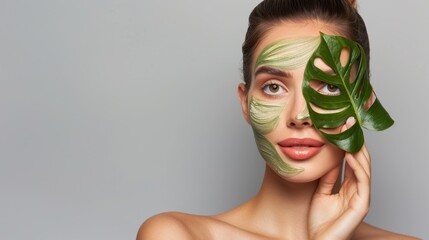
{"points": [[365, 151], [327, 182], [348, 171], [368, 157], [362, 155], [349, 122], [349, 177], [362, 178], [357, 164], [363, 160]]}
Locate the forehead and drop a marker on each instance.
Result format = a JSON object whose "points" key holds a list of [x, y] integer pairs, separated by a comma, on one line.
{"points": [[293, 30]]}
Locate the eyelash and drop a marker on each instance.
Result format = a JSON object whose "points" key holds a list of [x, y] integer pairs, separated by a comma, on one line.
{"points": [[271, 82], [325, 85]]}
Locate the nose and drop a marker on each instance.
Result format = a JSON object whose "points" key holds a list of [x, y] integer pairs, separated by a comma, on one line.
{"points": [[298, 116]]}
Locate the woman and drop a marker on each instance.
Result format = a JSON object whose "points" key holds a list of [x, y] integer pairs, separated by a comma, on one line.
{"points": [[300, 197]]}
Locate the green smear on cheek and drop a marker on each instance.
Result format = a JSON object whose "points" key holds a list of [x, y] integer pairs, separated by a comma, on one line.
{"points": [[264, 117]]}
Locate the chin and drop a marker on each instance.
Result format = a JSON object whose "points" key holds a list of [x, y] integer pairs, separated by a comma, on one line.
{"points": [[305, 176], [315, 168]]}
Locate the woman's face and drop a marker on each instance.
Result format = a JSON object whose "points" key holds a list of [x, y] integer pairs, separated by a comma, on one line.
{"points": [[276, 109]]}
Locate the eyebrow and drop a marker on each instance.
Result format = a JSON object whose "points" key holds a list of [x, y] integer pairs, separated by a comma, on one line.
{"points": [[272, 71]]}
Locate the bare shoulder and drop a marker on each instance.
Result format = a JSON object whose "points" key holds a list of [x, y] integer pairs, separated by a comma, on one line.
{"points": [[176, 225], [181, 226], [368, 232], [169, 225]]}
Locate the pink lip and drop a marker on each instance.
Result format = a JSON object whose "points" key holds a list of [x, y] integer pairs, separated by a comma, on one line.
{"points": [[300, 148]]}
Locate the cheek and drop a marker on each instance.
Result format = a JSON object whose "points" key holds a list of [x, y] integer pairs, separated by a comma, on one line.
{"points": [[264, 116], [329, 159], [336, 155]]}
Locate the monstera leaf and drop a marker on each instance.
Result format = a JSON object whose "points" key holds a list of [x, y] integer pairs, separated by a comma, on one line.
{"points": [[330, 112]]}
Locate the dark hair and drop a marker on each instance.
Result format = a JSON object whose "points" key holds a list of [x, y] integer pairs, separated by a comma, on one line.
{"points": [[341, 13]]}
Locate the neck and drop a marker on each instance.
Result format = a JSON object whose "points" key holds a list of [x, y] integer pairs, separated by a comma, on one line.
{"points": [[280, 209]]}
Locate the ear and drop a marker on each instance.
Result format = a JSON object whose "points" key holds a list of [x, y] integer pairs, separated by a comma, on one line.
{"points": [[242, 94]]}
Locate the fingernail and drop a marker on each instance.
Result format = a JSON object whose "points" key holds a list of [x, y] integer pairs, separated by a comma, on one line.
{"points": [[350, 122]]}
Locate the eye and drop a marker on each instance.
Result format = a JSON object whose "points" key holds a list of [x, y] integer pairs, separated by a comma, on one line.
{"points": [[273, 89], [329, 89]]}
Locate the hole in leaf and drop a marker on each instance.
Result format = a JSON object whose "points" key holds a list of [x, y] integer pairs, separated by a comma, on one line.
{"points": [[335, 130], [325, 88], [331, 130], [326, 111], [353, 73], [370, 101], [344, 56], [320, 64]]}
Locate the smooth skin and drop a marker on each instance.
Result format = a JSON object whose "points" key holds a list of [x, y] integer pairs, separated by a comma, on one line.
{"points": [[304, 206]]}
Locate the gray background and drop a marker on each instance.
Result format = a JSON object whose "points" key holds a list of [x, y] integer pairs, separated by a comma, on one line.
{"points": [[115, 110]]}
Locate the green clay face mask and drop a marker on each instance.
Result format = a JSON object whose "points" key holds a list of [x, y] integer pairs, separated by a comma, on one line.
{"points": [[288, 54], [264, 118], [355, 98], [285, 54]]}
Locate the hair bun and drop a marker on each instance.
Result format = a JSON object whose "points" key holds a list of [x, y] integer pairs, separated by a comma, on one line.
{"points": [[352, 3]]}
